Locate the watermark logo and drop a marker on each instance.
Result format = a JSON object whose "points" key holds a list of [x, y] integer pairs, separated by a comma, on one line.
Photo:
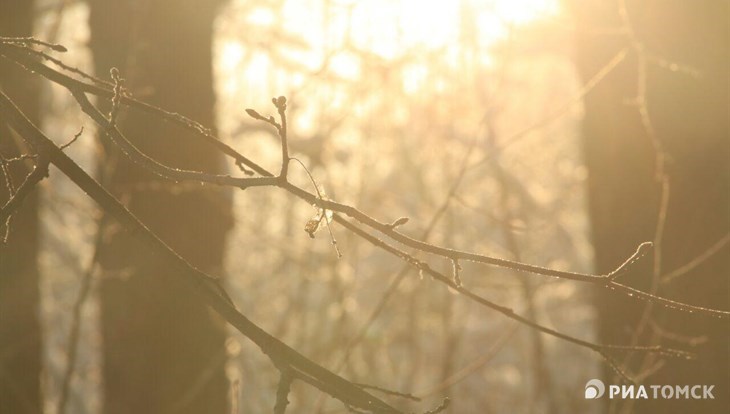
{"points": [[594, 389]]}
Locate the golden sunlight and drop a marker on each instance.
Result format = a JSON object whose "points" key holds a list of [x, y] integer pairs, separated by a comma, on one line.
{"points": [[276, 199], [386, 29]]}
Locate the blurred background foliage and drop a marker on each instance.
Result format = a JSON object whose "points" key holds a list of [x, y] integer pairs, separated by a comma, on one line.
{"points": [[463, 116], [459, 115]]}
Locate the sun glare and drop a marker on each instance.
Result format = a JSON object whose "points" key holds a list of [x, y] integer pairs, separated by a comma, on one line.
{"points": [[386, 29], [524, 11]]}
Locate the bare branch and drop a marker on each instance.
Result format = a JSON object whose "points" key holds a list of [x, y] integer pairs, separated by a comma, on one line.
{"points": [[426, 269], [282, 392], [79, 89], [686, 268], [175, 174], [68, 144], [323, 216], [32, 41], [75, 330], [23, 57], [292, 364], [40, 171], [473, 366], [206, 286], [389, 392], [280, 104], [444, 405]]}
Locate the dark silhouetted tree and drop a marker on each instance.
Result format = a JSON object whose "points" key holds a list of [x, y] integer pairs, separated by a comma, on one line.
{"points": [[163, 352], [20, 337], [678, 151]]}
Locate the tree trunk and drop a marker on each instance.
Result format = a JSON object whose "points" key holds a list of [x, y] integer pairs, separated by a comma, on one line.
{"points": [[163, 351], [20, 331], [690, 117]]}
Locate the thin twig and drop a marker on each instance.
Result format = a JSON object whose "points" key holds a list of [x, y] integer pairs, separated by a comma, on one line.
{"points": [[79, 89], [444, 405], [692, 264], [211, 291], [175, 174], [19, 158], [556, 113], [68, 68], [426, 269], [280, 104], [206, 286], [385, 297], [324, 212], [32, 41], [19, 55], [660, 175], [384, 228], [388, 392], [75, 331], [641, 251], [234, 395], [117, 98], [39, 172], [282, 391], [10, 187], [473, 366], [68, 144]]}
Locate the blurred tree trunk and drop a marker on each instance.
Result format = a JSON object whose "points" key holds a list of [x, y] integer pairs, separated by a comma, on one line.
{"points": [[690, 117], [163, 351], [20, 337]]}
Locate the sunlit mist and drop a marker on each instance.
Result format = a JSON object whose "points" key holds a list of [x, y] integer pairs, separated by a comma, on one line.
{"points": [[331, 206], [388, 101]]}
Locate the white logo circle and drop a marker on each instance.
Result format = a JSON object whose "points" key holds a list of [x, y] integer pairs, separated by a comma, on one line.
{"points": [[594, 389]]}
